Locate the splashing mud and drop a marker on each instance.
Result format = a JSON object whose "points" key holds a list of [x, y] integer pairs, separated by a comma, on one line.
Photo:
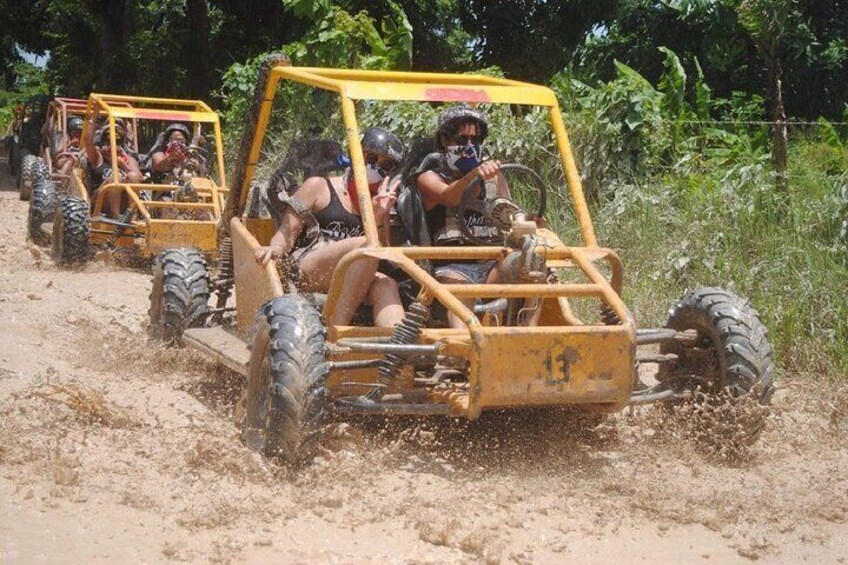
{"points": [[114, 449]]}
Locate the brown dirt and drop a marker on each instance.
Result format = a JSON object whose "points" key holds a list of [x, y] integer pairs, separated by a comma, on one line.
{"points": [[115, 450]]}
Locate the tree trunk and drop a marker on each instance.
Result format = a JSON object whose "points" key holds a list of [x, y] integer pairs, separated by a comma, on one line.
{"points": [[113, 38], [274, 24], [197, 48], [779, 133]]}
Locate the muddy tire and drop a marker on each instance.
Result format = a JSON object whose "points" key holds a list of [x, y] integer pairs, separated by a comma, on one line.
{"points": [[179, 298], [70, 231], [42, 208], [25, 175], [39, 168], [284, 397], [732, 356]]}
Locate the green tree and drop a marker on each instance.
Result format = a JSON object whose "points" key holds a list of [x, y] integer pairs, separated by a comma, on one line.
{"points": [[531, 39], [779, 31], [814, 49], [767, 21]]}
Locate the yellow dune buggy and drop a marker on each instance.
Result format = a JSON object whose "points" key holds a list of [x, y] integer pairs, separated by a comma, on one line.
{"points": [[155, 215], [53, 135], [40, 181], [298, 368]]}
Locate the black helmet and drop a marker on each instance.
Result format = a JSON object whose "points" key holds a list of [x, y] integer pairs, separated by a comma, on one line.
{"points": [[176, 127], [74, 124], [451, 119], [382, 142]]}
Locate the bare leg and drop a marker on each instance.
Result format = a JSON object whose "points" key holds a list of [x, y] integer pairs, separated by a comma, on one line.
{"points": [[451, 277], [113, 203], [316, 271], [384, 298]]}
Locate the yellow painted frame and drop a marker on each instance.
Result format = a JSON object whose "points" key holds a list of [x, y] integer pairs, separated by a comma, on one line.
{"points": [[603, 380], [430, 87], [159, 233]]}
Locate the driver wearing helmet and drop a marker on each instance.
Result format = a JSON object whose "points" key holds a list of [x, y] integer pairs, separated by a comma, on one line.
{"points": [[67, 153], [443, 178], [331, 202], [171, 150]]}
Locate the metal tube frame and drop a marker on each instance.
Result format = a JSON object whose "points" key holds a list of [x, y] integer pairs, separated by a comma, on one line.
{"points": [[353, 85], [147, 108]]}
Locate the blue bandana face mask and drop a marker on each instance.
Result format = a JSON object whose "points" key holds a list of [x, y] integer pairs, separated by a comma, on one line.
{"points": [[463, 158]]}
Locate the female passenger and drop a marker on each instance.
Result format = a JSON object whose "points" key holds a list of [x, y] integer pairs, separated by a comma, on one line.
{"points": [[332, 200]]}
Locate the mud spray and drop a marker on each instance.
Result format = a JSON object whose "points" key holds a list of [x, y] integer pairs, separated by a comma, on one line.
{"points": [[112, 449]]}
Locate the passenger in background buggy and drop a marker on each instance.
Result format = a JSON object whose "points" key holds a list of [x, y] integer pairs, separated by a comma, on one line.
{"points": [[170, 149], [99, 161], [67, 153]]}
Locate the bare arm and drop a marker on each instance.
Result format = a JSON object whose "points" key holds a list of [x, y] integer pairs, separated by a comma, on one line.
{"points": [[163, 163], [159, 162], [95, 159], [435, 190], [283, 240], [314, 195], [129, 165]]}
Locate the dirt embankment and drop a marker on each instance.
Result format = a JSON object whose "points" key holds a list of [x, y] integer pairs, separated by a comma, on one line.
{"points": [[114, 450]]}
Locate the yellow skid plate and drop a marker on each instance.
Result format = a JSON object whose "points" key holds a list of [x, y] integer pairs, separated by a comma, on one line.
{"points": [[539, 367], [163, 234]]}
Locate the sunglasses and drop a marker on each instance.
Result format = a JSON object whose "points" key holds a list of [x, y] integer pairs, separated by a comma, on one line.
{"points": [[384, 163], [466, 139]]}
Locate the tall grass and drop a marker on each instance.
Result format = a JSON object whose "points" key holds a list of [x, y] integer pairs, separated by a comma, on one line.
{"points": [[784, 252]]}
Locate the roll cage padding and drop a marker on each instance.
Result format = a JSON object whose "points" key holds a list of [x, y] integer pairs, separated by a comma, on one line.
{"points": [[276, 201], [410, 203]]}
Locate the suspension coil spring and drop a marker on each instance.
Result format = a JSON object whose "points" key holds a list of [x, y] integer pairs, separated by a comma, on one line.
{"points": [[226, 272], [124, 218], [408, 331]]}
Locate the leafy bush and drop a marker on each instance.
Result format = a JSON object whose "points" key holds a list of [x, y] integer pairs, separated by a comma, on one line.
{"points": [[31, 81]]}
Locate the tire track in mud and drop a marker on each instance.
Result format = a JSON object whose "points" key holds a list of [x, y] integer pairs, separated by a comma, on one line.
{"points": [[113, 448]]}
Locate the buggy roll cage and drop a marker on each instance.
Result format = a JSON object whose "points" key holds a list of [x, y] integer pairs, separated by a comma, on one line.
{"points": [[164, 233], [424, 87], [354, 85]]}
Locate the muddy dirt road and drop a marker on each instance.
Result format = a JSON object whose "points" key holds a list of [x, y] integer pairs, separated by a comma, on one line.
{"points": [[113, 450]]}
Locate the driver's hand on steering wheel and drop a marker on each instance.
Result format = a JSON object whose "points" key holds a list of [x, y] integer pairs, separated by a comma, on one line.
{"points": [[487, 170], [539, 220]]}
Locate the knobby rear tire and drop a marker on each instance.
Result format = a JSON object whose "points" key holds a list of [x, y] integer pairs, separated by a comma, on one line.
{"points": [[25, 175], [42, 208]]}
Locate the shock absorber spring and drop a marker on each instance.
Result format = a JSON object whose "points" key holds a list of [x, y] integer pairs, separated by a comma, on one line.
{"points": [[226, 274], [124, 218], [408, 331]]}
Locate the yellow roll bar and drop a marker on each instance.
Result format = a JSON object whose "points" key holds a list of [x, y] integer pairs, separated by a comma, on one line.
{"points": [[163, 109], [354, 85]]}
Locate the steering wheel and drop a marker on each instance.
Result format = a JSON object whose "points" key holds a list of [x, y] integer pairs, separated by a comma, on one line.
{"points": [[497, 212], [195, 160]]}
